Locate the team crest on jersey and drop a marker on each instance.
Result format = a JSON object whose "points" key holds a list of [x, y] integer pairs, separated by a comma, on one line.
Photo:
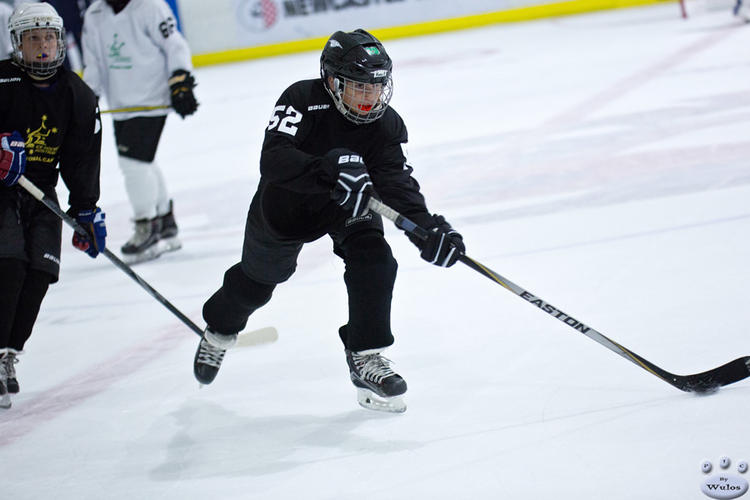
{"points": [[116, 59], [38, 143]]}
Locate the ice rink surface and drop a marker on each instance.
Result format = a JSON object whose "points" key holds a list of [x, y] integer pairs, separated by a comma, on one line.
{"points": [[600, 161]]}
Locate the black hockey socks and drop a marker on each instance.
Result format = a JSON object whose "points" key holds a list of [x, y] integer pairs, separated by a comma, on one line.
{"points": [[34, 289], [228, 309], [12, 275], [370, 275]]}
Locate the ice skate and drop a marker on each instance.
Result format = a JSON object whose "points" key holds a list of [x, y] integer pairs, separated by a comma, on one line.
{"points": [[8, 360], [144, 244], [210, 354], [378, 386], [168, 240]]}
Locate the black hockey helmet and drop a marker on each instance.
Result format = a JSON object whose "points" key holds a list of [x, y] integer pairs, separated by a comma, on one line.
{"points": [[357, 62]]}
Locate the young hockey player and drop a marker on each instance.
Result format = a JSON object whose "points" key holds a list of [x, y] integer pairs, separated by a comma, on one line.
{"points": [[134, 55], [331, 144], [47, 116]]}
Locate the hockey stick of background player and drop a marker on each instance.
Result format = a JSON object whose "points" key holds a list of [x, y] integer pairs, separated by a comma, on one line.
{"points": [[49, 203], [708, 381], [135, 108]]}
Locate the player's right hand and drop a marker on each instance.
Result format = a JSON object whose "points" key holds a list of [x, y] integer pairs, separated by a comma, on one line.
{"points": [[353, 186], [12, 157]]}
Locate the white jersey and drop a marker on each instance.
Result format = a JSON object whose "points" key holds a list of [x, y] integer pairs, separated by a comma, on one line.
{"points": [[5, 46], [129, 56]]}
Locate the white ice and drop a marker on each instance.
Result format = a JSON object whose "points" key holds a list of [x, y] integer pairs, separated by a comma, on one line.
{"points": [[600, 161]]}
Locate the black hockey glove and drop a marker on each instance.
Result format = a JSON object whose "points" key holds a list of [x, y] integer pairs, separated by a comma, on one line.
{"points": [[443, 246], [353, 186], [181, 85]]}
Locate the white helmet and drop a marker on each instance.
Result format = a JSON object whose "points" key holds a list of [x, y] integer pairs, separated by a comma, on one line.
{"points": [[30, 16]]}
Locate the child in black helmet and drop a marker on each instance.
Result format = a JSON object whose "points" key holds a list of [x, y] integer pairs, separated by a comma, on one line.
{"points": [[331, 144]]}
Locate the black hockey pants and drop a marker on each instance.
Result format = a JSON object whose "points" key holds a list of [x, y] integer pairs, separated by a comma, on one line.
{"points": [[369, 276]]}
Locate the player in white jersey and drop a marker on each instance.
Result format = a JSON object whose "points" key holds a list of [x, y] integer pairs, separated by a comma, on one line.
{"points": [[135, 57], [5, 47]]}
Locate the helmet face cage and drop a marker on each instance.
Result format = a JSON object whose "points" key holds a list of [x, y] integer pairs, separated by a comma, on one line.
{"points": [[360, 102], [356, 73], [42, 17]]}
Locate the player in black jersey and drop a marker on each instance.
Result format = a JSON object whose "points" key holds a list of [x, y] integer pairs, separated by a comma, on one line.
{"points": [[332, 142], [48, 116]]}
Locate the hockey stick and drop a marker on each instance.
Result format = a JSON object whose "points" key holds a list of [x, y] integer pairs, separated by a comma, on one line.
{"points": [[707, 381], [254, 337], [135, 108]]}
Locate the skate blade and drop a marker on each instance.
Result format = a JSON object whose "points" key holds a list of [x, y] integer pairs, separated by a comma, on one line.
{"points": [[368, 399], [169, 244], [136, 258], [5, 401]]}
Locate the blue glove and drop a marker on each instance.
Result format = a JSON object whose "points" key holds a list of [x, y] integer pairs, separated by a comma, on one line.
{"points": [[93, 222], [12, 158], [353, 186], [443, 246]]}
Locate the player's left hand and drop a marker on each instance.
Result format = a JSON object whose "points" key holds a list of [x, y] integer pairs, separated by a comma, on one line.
{"points": [[12, 158], [444, 244], [93, 222], [181, 85]]}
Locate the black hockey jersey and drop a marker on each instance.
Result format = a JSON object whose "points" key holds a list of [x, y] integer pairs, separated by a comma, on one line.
{"points": [[295, 181], [61, 126]]}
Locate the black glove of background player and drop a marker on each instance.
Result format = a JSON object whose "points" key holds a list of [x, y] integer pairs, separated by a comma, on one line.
{"points": [[181, 85]]}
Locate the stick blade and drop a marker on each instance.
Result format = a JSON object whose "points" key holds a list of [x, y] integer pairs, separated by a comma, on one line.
{"points": [[248, 338], [712, 380]]}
